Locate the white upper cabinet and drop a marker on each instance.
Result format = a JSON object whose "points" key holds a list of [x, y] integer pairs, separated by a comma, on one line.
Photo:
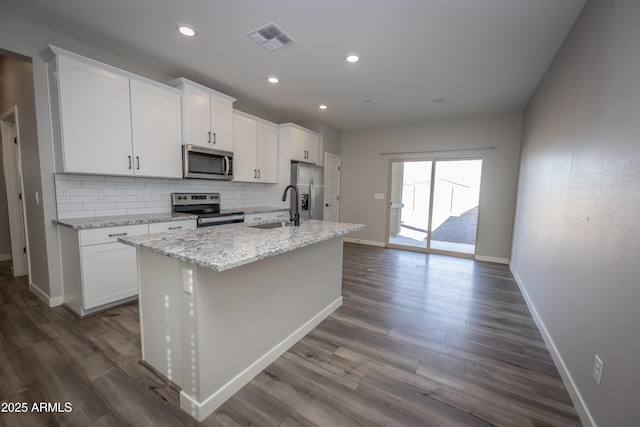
{"points": [[255, 153], [267, 152], [207, 116], [303, 143], [157, 141], [110, 122], [95, 118], [244, 144]]}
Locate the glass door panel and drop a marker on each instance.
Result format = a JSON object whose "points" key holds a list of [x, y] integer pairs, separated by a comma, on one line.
{"points": [[456, 195], [410, 193]]}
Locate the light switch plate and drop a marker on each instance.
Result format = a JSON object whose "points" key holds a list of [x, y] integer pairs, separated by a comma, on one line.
{"points": [[378, 196]]}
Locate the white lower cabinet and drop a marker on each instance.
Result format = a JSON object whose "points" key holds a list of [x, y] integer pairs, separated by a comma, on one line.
{"points": [[99, 272], [109, 273]]}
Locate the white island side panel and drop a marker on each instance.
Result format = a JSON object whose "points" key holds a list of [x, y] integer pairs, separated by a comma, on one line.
{"points": [[237, 321]]}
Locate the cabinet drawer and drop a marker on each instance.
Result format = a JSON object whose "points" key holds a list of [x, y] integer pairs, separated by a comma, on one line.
{"points": [[279, 216], [254, 219], [96, 236], [161, 227]]}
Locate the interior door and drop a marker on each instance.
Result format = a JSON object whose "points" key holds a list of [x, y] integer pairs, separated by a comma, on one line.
{"points": [[331, 187]]}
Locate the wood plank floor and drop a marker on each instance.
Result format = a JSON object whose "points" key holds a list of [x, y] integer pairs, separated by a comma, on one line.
{"points": [[421, 340]]}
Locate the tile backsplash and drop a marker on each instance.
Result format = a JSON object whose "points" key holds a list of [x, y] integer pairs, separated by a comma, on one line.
{"points": [[79, 196]]}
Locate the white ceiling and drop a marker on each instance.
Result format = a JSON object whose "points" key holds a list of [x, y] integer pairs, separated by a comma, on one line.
{"points": [[481, 55]]}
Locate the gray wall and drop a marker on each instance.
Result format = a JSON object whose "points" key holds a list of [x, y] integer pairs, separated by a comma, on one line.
{"points": [[5, 235], [577, 237], [365, 172]]}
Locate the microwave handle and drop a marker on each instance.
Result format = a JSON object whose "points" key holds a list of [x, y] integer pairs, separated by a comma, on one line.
{"points": [[227, 165]]}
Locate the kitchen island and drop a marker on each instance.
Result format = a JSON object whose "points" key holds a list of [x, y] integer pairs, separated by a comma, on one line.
{"points": [[219, 304]]}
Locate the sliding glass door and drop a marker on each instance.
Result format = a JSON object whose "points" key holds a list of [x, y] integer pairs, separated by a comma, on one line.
{"points": [[434, 204], [410, 200]]}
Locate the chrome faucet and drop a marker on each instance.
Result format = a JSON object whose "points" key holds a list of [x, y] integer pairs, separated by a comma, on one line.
{"points": [[296, 216]]}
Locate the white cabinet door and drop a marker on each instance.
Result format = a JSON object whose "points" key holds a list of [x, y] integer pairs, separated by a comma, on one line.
{"points": [[298, 150], [221, 123], [155, 119], [109, 273], [197, 116], [244, 154], [267, 152], [95, 118], [311, 147], [304, 146]]}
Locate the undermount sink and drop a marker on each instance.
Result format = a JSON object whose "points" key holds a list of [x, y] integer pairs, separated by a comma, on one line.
{"points": [[273, 225]]}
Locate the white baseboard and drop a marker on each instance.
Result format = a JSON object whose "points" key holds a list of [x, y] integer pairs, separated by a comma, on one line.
{"points": [[51, 302], [5, 257], [201, 410], [567, 379], [364, 242], [492, 259]]}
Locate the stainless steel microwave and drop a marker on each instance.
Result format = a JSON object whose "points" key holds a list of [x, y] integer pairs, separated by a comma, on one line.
{"points": [[206, 163]]}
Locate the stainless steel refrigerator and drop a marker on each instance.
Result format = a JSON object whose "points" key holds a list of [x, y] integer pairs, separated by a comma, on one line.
{"points": [[309, 180]]}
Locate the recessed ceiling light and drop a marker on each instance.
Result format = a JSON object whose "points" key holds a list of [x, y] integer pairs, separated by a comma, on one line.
{"points": [[186, 30], [273, 79], [322, 106], [353, 57]]}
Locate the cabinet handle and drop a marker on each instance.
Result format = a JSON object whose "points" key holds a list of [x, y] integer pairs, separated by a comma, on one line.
{"points": [[175, 228], [138, 162], [255, 173], [118, 234], [129, 161], [209, 137], [214, 137], [258, 173]]}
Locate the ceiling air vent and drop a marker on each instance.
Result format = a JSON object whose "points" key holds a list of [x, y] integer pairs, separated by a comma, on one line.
{"points": [[271, 37]]}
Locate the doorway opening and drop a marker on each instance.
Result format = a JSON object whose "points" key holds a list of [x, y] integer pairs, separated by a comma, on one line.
{"points": [[434, 205], [12, 169]]}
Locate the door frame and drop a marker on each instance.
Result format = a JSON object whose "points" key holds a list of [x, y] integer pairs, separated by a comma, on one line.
{"points": [[434, 160], [12, 167]]}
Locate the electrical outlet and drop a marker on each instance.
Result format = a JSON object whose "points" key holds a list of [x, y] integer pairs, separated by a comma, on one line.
{"points": [[597, 369], [187, 281]]}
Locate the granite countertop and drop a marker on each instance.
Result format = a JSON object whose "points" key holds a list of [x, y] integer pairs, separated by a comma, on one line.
{"points": [[228, 246], [113, 221]]}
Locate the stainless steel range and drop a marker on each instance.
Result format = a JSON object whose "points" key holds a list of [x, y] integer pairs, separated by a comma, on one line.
{"points": [[206, 206]]}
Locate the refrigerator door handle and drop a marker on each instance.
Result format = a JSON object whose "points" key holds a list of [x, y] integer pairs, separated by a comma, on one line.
{"points": [[311, 198]]}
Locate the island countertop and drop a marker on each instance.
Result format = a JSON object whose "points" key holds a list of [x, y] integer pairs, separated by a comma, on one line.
{"points": [[225, 247]]}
